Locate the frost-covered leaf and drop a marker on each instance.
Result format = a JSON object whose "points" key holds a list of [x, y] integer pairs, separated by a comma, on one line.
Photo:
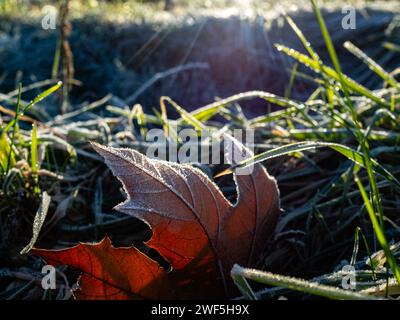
{"points": [[194, 226]]}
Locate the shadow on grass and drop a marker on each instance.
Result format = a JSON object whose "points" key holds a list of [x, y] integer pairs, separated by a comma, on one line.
{"points": [[240, 53]]}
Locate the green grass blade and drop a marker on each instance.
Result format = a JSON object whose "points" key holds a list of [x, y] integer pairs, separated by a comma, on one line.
{"points": [[354, 256], [328, 40], [303, 39], [205, 113], [37, 99], [391, 46], [376, 198], [353, 155], [380, 234], [350, 83], [184, 114], [375, 67], [298, 284], [34, 158], [218, 105], [7, 157]]}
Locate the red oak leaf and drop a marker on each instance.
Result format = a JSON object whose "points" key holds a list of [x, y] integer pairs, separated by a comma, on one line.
{"points": [[194, 227]]}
